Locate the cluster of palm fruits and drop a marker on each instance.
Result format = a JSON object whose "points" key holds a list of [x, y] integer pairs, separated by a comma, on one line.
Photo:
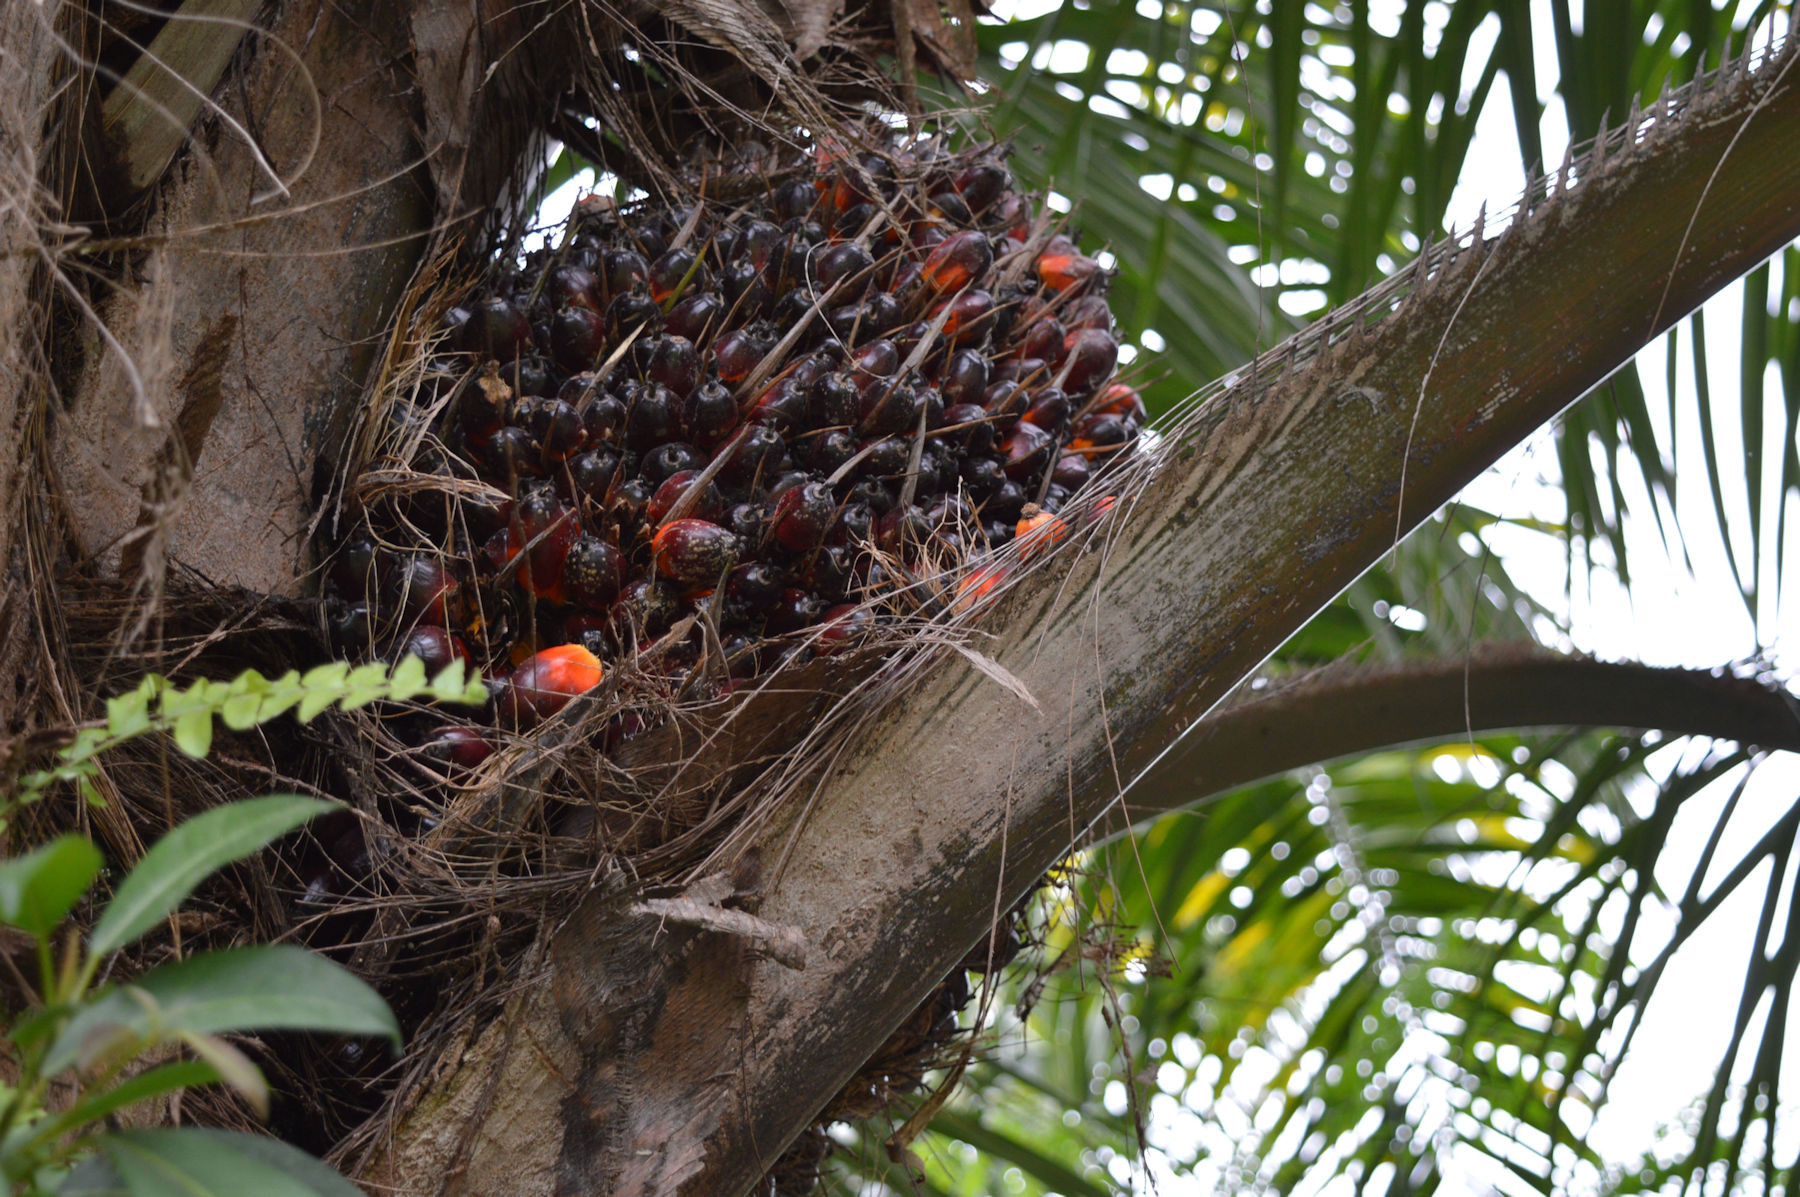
{"points": [[859, 372]]}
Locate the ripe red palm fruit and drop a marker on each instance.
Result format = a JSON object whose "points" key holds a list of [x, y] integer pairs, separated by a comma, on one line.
{"points": [[957, 261], [545, 682], [1063, 272]]}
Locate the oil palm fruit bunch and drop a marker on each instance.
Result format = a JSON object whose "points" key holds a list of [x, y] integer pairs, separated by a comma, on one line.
{"points": [[851, 372]]}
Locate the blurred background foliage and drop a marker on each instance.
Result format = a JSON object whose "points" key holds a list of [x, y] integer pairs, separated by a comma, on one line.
{"points": [[1423, 967]]}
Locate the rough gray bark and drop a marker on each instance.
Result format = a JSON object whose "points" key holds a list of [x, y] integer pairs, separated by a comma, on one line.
{"points": [[28, 75], [683, 1062]]}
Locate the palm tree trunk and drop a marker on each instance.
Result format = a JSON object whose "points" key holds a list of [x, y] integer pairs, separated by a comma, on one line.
{"points": [[684, 1061]]}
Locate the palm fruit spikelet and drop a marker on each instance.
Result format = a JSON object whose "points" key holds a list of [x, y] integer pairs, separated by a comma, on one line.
{"points": [[768, 410]]}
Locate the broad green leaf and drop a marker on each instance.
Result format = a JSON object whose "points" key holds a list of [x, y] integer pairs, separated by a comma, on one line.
{"points": [[166, 1078], [197, 1162], [272, 987], [188, 854], [38, 889]]}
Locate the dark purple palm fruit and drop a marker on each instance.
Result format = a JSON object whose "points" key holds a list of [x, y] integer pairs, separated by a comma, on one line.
{"points": [[697, 317], [653, 417], [556, 427], [949, 363], [435, 647], [669, 459], [671, 361], [572, 285], [781, 407], [694, 552], [634, 312], [497, 329], [622, 270], [706, 504], [709, 414], [751, 591], [801, 516], [593, 572], [646, 606], [604, 418], [676, 273], [834, 401], [738, 352], [751, 456], [964, 378], [1090, 355], [577, 338], [844, 271]]}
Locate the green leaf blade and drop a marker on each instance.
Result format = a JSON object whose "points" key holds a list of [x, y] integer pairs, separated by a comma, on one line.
{"points": [[188, 854], [273, 987], [197, 1162], [38, 889]]}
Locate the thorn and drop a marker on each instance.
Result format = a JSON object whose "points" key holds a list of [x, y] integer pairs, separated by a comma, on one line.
{"points": [[1481, 224], [1564, 171], [1632, 120]]}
